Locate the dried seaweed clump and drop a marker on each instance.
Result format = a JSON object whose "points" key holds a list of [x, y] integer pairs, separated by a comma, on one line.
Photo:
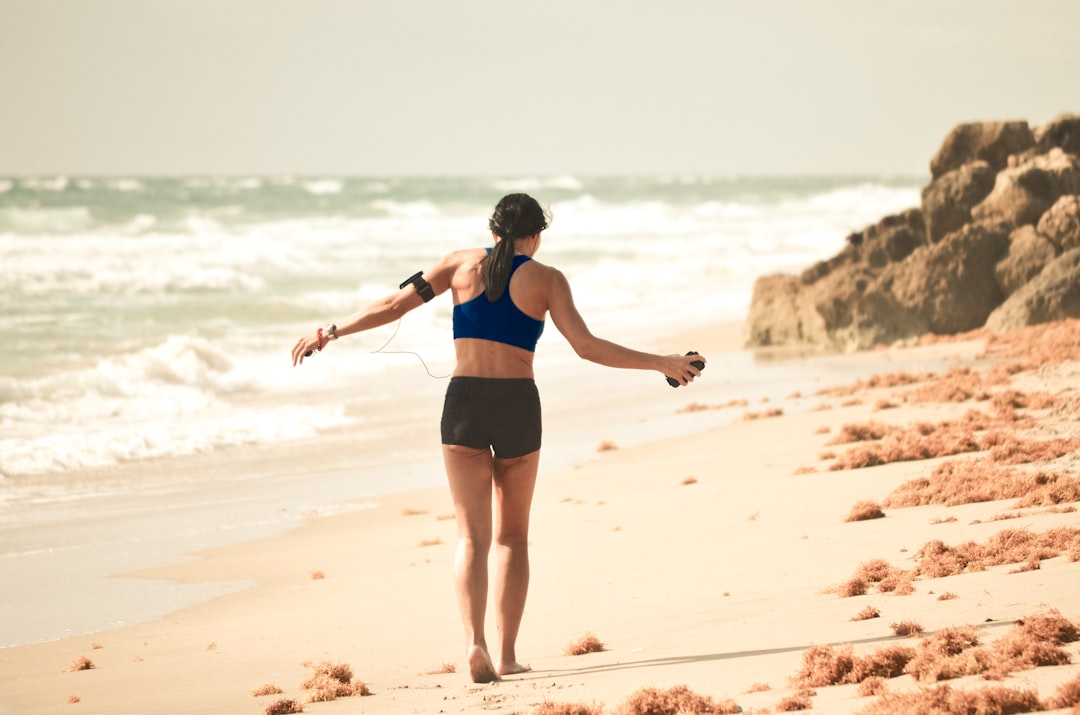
{"points": [[1008, 400], [890, 379], [959, 384], [1032, 642], [587, 643], [1038, 345], [872, 686], [330, 681], [949, 653], [797, 702], [863, 432], [864, 511], [971, 481], [283, 707], [922, 440], [568, 709], [1068, 695], [767, 414], [866, 614], [679, 700], [943, 700], [1010, 449], [1012, 546], [907, 628], [81, 663], [828, 665], [887, 577]]}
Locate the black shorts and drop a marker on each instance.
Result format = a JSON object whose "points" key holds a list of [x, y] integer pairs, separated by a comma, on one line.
{"points": [[492, 413]]}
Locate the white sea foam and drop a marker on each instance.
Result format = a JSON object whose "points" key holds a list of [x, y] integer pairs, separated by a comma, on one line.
{"points": [[185, 395], [323, 187], [115, 441], [537, 184], [125, 185], [409, 210], [44, 183]]}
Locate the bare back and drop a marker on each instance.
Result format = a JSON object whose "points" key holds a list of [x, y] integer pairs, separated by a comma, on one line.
{"points": [[528, 290]]}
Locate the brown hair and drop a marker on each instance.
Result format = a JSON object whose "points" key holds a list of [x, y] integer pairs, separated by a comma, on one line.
{"points": [[515, 216]]}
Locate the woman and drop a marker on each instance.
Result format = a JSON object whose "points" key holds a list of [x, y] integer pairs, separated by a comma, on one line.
{"points": [[491, 415]]}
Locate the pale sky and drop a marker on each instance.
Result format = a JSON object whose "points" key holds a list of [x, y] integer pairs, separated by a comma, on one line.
{"points": [[512, 88]]}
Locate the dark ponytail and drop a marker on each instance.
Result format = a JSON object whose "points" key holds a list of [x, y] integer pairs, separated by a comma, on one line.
{"points": [[516, 216]]}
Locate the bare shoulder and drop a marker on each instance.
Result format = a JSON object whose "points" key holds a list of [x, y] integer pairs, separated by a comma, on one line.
{"points": [[455, 269], [464, 257], [463, 260], [549, 274]]}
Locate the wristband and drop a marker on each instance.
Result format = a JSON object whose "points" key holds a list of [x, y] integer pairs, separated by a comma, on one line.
{"points": [[318, 336]]}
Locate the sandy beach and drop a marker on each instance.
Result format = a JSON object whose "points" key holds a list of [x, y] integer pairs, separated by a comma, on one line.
{"points": [[703, 536]]}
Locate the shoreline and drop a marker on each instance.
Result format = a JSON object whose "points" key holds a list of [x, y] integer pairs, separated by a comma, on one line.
{"points": [[140, 515], [701, 613], [155, 514]]}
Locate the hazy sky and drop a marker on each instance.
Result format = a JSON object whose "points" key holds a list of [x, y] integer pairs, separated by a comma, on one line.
{"points": [[508, 87]]}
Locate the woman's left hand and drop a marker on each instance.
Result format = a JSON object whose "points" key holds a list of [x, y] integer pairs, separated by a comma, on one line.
{"points": [[681, 368]]}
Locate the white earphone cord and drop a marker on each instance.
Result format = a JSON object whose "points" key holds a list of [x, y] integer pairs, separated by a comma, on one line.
{"points": [[384, 351]]}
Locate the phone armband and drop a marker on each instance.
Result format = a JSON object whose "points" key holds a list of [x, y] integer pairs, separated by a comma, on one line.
{"points": [[422, 286]]}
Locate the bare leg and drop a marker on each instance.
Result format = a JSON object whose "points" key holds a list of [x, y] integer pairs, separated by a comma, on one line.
{"points": [[515, 480], [469, 472]]}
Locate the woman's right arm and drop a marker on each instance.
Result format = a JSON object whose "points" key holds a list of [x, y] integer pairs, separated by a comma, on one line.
{"points": [[568, 320], [386, 309]]}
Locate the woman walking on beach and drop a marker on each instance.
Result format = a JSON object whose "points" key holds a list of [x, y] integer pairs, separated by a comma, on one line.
{"points": [[491, 415]]}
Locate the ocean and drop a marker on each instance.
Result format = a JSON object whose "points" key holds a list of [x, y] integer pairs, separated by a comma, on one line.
{"points": [[145, 317], [150, 319]]}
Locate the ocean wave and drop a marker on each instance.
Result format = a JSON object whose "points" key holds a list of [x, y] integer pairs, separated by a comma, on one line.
{"points": [[182, 396], [182, 375], [323, 187], [407, 209], [110, 275], [104, 444], [125, 186], [566, 183], [140, 224], [36, 221], [44, 183]]}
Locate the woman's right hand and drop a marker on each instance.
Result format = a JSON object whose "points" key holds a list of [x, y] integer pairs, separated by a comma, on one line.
{"points": [[304, 347]]}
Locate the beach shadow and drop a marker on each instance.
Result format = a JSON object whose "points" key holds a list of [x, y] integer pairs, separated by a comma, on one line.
{"points": [[679, 660]]}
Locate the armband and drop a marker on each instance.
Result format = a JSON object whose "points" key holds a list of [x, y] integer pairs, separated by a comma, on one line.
{"points": [[422, 286]]}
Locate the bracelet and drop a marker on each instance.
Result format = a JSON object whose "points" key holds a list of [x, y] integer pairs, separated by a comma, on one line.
{"points": [[329, 332], [318, 336]]}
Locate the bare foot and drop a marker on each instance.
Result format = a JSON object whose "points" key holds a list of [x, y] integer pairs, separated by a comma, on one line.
{"points": [[480, 668], [512, 668]]}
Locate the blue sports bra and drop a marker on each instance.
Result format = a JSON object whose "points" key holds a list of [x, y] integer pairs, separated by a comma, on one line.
{"points": [[501, 321]]}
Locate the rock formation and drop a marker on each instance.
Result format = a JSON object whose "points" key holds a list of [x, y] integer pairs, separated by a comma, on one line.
{"points": [[995, 243]]}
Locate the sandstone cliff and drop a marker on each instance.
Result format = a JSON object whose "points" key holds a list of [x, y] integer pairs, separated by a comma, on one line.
{"points": [[994, 243]]}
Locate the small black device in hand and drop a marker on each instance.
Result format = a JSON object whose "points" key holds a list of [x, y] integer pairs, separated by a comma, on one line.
{"points": [[696, 363]]}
